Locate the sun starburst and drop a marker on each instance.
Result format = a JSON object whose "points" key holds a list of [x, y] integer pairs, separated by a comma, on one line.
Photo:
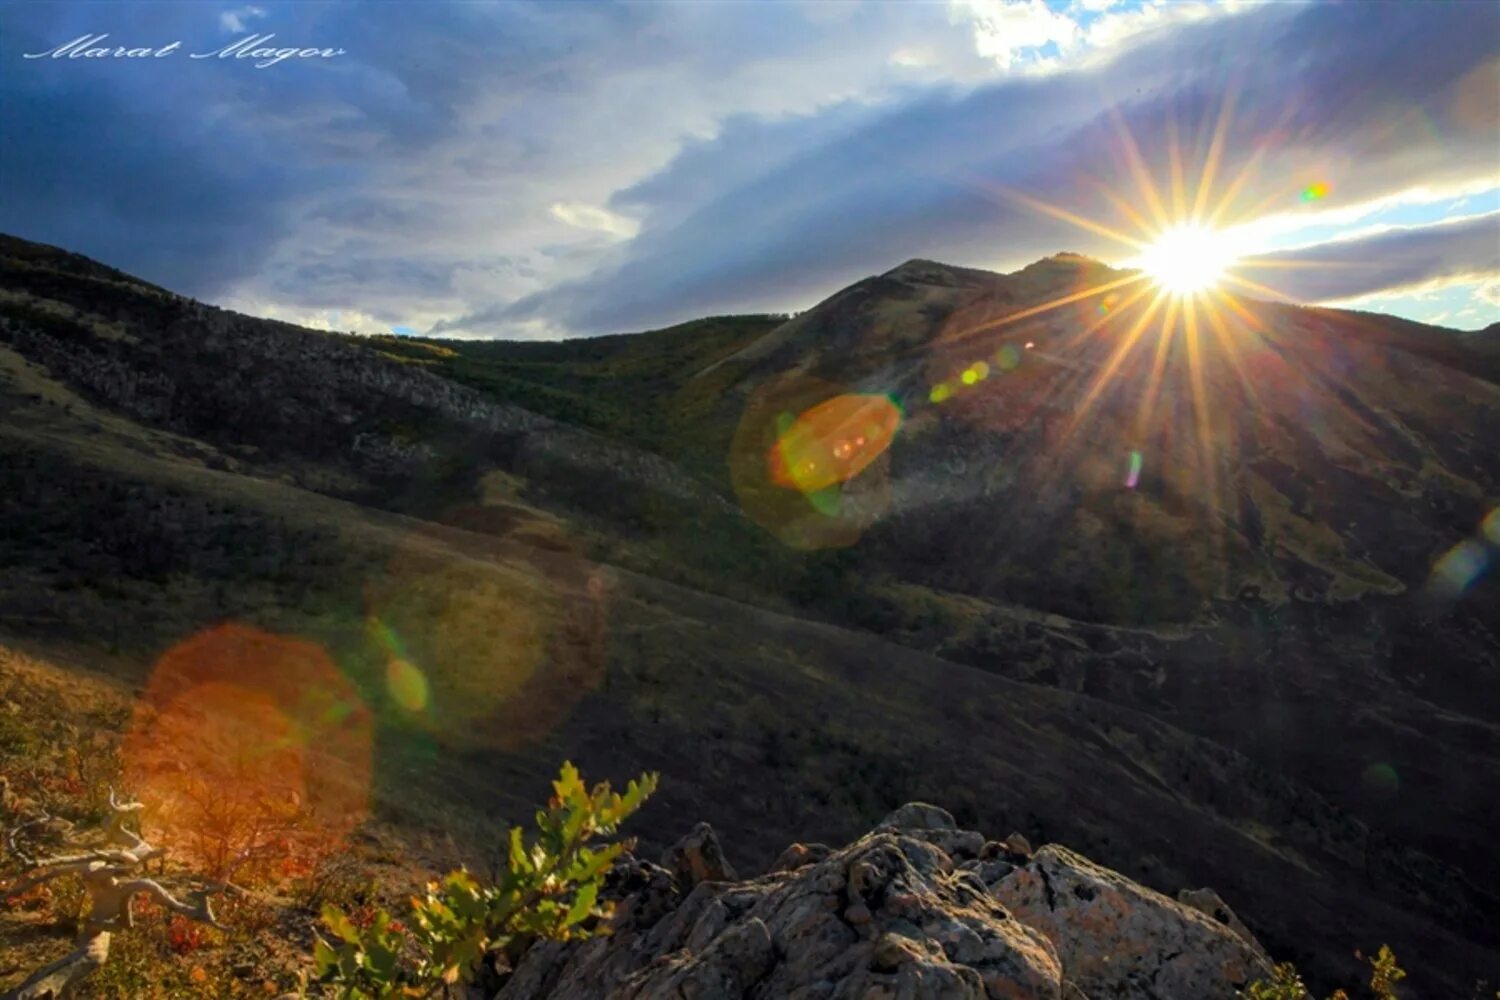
{"points": [[1172, 334], [1188, 259]]}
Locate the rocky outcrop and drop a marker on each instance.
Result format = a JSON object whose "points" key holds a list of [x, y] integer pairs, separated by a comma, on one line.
{"points": [[698, 857], [917, 908], [1119, 939], [1208, 902]]}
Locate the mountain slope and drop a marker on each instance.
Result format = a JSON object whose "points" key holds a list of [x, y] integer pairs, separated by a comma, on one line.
{"points": [[1273, 569], [170, 467], [1278, 551]]}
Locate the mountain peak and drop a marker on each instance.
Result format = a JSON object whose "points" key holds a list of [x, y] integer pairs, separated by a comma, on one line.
{"points": [[1066, 260], [921, 271]]}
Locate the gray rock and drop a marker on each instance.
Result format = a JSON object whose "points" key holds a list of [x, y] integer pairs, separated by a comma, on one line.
{"points": [[919, 816], [1209, 902], [894, 916], [960, 845], [1119, 940], [798, 855], [887, 916], [698, 857]]}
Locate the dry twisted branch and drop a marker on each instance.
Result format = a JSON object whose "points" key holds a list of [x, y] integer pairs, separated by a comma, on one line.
{"points": [[108, 877], [55, 981], [115, 831]]}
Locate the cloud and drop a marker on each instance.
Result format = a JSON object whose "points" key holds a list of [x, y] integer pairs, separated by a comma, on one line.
{"points": [[532, 169], [1464, 303], [1006, 30], [95, 162], [595, 218], [934, 176], [1396, 260], [234, 20]]}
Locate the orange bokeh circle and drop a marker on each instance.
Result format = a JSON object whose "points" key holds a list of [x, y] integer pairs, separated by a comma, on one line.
{"points": [[248, 748], [810, 461]]}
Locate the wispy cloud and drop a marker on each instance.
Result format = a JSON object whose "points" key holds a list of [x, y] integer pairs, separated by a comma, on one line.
{"points": [[1391, 259], [235, 20], [595, 218]]}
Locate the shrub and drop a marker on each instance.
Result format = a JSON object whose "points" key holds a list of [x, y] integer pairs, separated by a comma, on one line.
{"points": [[549, 889], [1286, 983]]}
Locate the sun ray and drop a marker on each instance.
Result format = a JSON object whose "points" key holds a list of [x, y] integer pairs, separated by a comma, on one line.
{"points": [[1138, 169], [1201, 411], [1119, 310], [1215, 153], [1038, 205], [1123, 207], [1147, 408], [1174, 165], [1127, 344], [1046, 307], [1258, 288], [1292, 264], [1233, 190], [1203, 423], [1252, 163], [1278, 194], [1227, 345]]}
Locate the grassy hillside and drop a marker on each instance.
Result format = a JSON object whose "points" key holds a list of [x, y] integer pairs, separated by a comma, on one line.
{"points": [[639, 387], [773, 729], [515, 553]]}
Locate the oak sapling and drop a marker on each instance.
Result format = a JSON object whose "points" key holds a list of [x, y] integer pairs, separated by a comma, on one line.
{"points": [[548, 889]]}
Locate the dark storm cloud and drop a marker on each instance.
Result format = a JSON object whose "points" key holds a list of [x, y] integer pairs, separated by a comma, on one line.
{"points": [[122, 163], [85, 167], [189, 172], [434, 131]]}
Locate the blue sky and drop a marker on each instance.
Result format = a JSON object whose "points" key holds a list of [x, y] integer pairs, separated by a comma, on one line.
{"points": [[556, 169]]}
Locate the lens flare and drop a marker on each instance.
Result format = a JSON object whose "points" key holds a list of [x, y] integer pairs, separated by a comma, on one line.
{"points": [[407, 685], [1315, 192], [1133, 474], [833, 442], [808, 460], [245, 743], [481, 640], [1380, 781], [1460, 567]]}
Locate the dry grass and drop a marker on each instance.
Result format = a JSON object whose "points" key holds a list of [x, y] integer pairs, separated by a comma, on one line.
{"points": [[60, 735]]}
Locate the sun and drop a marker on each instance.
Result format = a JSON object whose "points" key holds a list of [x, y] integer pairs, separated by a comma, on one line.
{"points": [[1186, 260]]}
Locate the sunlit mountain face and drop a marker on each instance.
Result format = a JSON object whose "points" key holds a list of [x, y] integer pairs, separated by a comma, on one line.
{"points": [[1234, 445], [1174, 432]]}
